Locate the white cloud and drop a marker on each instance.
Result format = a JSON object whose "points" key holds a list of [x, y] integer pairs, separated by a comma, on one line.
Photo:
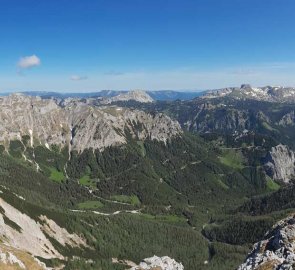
{"points": [[78, 78], [29, 62]]}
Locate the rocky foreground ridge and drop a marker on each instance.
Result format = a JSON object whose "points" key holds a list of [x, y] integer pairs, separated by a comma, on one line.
{"points": [[24, 240], [78, 125], [276, 251]]}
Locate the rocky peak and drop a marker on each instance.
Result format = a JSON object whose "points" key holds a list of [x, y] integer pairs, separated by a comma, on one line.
{"points": [[136, 95], [280, 163], [276, 250], [288, 119]]}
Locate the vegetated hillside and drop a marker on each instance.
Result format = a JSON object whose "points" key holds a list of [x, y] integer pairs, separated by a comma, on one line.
{"points": [[258, 135], [146, 196]]}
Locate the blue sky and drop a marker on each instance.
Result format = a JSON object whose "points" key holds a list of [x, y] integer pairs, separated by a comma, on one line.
{"points": [[89, 45]]}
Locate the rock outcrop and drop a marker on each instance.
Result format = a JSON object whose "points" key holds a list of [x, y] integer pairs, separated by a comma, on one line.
{"points": [[26, 234], [288, 119], [276, 251], [280, 163], [158, 263], [24, 239], [16, 259], [78, 125]]}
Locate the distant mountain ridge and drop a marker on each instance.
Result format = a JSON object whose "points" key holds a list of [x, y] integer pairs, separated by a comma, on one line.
{"points": [[246, 91], [160, 95]]}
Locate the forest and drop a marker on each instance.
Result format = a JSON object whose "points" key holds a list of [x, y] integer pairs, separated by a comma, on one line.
{"points": [[190, 191]]}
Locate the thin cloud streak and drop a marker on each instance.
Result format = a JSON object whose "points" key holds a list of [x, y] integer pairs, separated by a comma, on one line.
{"points": [[78, 78], [178, 79]]}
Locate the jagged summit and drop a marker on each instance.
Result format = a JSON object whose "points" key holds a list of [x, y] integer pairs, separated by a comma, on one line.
{"points": [[246, 91]]}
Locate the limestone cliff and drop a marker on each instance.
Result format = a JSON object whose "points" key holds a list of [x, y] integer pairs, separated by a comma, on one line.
{"points": [[280, 163], [78, 125]]}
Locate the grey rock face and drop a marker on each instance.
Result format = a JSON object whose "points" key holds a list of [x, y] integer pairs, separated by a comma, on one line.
{"points": [[42, 120], [280, 163], [288, 119], [77, 124], [137, 95], [158, 263], [276, 251]]}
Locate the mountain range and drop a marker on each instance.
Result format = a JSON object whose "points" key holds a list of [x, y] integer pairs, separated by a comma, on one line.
{"points": [[107, 181], [156, 95], [246, 91]]}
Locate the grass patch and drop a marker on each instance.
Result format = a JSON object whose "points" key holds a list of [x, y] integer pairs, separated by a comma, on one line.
{"points": [[223, 185], [133, 199], [272, 185], [232, 158], [90, 205], [142, 148], [147, 216], [268, 127], [164, 218], [171, 218], [56, 175], [86, 181]]}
